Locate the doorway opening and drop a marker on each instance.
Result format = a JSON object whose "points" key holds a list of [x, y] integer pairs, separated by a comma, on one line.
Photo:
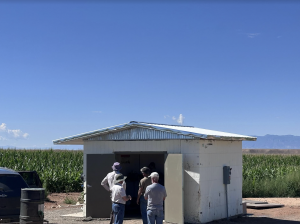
{"points": [[131, 166]]}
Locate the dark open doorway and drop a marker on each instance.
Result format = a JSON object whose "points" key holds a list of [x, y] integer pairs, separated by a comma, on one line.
{"points": [[131, 165]]}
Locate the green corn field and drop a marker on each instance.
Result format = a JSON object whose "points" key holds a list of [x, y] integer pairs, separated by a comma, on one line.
{"points": [[269, 166], [59, 170], [271, 176]]}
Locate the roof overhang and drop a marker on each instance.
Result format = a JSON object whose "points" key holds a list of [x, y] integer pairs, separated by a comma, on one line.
{"points": [[168, 132]]}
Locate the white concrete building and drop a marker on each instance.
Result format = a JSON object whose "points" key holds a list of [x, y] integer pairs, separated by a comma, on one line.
{"points": [[190, 162]]}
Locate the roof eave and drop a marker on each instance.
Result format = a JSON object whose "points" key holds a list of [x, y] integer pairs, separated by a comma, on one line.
{"points": [[231, 138], [79, 139], [90, 134]]}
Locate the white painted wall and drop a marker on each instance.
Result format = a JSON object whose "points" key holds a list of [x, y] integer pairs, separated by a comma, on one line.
{"points": [[203, 161], [108, 147], [191, 164], [212, 159]]}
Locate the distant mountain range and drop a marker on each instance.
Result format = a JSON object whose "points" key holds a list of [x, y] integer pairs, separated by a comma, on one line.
{"points": [[273, 142]]}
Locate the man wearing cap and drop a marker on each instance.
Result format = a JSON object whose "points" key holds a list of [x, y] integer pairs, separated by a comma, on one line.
{"points": [[144, 183], [108, 182], [155, 194], [119, 198]]}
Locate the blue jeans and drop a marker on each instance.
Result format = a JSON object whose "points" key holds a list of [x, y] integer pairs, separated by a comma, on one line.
{"points": [[155, 215], [118, 210], [143, 207]]}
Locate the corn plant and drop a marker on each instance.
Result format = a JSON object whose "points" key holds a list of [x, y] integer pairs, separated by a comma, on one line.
{"points": [[271, 175], [59, 170]]}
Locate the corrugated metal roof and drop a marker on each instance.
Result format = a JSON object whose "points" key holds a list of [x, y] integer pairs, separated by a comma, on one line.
{"points": [[150, 131]]}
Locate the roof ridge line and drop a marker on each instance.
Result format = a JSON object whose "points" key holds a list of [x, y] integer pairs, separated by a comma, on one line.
{"points": [[141, 122]]}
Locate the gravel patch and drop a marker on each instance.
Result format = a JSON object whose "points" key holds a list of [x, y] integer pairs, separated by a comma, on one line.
{"points": [[54, 217]]}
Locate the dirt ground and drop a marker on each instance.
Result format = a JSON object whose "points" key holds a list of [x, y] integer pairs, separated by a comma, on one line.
{"points": [[289, 214], [55, 200]]}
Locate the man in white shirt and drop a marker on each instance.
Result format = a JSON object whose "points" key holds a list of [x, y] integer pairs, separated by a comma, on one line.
{"points": [[119, 198], [108, 182]]}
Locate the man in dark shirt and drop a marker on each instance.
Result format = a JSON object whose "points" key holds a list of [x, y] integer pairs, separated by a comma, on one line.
{"points": [[144, 183]]}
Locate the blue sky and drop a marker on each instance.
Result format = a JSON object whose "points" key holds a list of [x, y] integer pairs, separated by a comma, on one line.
{"points": [[73, 66]]}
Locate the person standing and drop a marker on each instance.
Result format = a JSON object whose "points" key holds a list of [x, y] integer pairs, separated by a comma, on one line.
{"points": [[155, 194], [144, 183], [108, 182], [119, 198]]}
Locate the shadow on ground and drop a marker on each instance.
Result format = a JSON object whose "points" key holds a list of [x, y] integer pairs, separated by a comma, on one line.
{"points": [[255, 220]]}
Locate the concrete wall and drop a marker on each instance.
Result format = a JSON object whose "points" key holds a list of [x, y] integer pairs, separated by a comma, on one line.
{"points": [[203, 160], [212, 159], [204, 191]]}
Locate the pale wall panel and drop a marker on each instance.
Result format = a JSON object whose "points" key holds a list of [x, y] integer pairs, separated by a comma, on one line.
{"points": [[214, 155], [204, 160], [191, 165], [190, 146], [107, 147]]}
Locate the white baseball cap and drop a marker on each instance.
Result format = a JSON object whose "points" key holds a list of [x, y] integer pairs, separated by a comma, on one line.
{"points": [[154, 174]]}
